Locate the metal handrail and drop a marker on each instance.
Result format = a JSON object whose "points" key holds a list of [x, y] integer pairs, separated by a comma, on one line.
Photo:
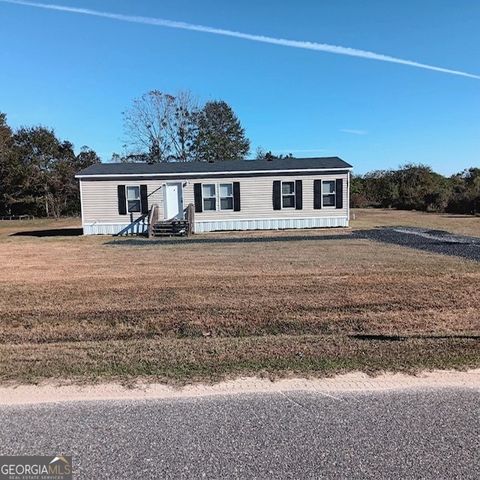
{"points": [[131, 225]]}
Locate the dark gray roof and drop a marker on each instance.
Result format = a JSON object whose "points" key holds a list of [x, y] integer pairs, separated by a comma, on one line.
{"points": [[210, 167]]}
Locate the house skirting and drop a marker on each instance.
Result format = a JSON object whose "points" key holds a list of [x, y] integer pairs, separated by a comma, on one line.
{"points": [[113, 228], [96, 228], [270, 224]]}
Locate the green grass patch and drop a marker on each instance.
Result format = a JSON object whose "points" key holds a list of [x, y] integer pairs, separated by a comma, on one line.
{"points": [[180, 361]]}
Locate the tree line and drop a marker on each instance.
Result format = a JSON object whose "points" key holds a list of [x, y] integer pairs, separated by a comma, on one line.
{"points": [[37, 172], [37, 169], [417, 187]]}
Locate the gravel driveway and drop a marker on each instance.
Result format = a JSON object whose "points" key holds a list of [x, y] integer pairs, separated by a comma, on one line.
{"points": [[436, 241]]}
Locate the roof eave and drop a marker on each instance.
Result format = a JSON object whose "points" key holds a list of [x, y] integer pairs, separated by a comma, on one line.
{"points": [[222, 172]]}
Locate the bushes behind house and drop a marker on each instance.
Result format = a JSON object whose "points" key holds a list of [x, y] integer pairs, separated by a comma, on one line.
{"points": [[417, 187]]}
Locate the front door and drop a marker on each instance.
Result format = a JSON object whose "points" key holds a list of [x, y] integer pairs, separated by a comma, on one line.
{"points": [[173, 201]]}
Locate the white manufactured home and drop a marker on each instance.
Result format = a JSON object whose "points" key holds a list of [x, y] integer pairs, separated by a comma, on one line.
{"points": [[210, 196]]}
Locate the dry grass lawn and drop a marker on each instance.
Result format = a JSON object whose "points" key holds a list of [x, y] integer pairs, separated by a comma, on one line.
{"points": [[79, 307], [459, 224]]}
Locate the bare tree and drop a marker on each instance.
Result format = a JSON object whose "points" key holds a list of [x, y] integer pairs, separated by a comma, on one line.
{"points": [[183, 126], [161, 127]]}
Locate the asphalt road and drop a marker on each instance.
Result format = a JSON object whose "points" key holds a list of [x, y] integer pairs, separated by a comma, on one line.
{"points": [[417, 434]]}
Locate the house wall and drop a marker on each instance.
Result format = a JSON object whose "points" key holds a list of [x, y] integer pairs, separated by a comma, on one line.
{"points": [[257, 206], [100, 204]]}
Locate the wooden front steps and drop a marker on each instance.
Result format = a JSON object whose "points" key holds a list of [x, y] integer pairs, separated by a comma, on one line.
{"points": [[170, 228]]}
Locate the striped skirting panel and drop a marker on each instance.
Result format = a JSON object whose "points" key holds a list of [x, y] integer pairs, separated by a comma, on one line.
{"points": [[270, 224], [113, 228], [215, 226]]}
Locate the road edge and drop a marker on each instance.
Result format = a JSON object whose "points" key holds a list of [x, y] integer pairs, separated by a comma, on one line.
{"points": [[51, 392]]}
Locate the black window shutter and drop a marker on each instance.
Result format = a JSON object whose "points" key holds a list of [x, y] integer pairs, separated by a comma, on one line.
{"points": [[197, 195], [236, 196], [277, 195], [122, 201], [317, 194], [298, 195], [339, 192], [144, 198]]}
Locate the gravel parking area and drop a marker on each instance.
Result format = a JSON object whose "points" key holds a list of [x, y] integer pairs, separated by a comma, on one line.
{"points": [[436, 241]]}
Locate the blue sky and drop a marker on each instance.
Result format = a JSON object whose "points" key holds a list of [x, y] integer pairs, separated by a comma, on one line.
{"points": [[77, 73]]}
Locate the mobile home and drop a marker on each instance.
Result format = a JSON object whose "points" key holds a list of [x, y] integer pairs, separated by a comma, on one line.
{"points": [[230, 195]]}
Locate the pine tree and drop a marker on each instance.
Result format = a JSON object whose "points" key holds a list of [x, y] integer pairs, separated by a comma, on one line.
{"points": [[220, 135]]}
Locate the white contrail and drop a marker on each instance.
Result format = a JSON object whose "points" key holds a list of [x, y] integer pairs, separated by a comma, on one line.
{"points": [[319, 47], [353, 131]]}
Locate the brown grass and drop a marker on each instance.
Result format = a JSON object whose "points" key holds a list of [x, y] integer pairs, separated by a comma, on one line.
{"points": [[460, 224], [80, 307]]}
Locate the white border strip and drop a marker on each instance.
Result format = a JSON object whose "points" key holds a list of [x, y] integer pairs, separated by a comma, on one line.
{"points": [[81, 205]]}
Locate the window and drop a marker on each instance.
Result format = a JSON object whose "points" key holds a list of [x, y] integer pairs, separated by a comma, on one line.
{"points": [[209, 192], [328, 193], [133, 199], [226, 196], [288, 194]]}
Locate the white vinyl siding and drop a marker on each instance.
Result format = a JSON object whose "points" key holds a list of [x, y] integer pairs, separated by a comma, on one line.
{"points": [[100, 202], [100, 199], [256, 199]]}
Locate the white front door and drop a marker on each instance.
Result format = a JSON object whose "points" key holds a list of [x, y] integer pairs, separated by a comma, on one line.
{"points": [[173, 201]]}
